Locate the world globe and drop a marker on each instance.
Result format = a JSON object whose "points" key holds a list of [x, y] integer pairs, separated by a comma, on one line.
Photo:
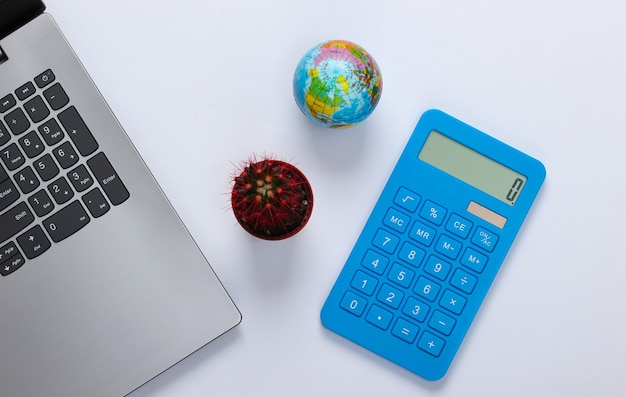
{"points": [[337, 84]]}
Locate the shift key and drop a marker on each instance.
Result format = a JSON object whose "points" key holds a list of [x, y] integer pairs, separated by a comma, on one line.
{"points": [[109, 180], [14, 220]]}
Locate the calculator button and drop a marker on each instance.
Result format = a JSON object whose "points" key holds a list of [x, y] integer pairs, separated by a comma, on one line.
{"points": [[438, 268], [390, 296], [411, 254], [364, 282], [401, 275], [431, 344], [407, 199], [433, 213], [426, 288], [485, 239], [415, 309], [463, 281], [375, 262], [16, 120], [448, 247], [379, 317], [459, 226], [405, 330], [352, 303], [385, 241], [442, 322], [452, 302], [396, 220], [423, 234], [474, 260]]}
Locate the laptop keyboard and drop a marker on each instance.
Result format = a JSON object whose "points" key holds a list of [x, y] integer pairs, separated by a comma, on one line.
{"points": [[53, 178]]}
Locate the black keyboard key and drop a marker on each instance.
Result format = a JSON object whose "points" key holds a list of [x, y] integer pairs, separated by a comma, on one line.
{"points": [[78, 131], [45, 78], [56, 97], [5, 137], [36, 109], [65, 155], [80, 178], [109, 180], [15, 220], [51, 132], [7, 251], [8, 194], [41, 203], [46, 168], [66, 222], [31, 144], [25, 91], [26, 180], [3, 174], [96, 203], [7, 103], [17, 121], [12, 157], [12, 264], [33, 242], [61, 191]]}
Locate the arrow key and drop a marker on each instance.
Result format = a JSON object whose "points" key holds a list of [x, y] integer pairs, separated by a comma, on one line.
{"points": [[34, 242]]}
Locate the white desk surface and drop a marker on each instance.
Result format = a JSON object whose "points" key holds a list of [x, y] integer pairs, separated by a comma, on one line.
{"points": [[200, 85]]}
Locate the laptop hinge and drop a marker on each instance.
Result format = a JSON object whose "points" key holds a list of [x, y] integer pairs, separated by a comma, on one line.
{"points": [[16, 13]]}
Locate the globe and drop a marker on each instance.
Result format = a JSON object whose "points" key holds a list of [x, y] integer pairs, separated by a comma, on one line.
{"points": [[337, 84]]}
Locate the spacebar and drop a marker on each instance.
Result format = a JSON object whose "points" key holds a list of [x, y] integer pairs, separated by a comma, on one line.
{"points": [[66, 222]]}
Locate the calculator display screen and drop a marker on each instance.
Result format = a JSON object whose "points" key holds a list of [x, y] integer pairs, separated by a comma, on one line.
{"points": [[472, 167]]}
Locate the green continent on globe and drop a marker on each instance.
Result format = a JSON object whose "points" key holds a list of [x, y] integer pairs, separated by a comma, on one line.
{"points": [[337, 84]]}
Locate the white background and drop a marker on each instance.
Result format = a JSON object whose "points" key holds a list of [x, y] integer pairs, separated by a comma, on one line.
{"points": [[201, 85]]}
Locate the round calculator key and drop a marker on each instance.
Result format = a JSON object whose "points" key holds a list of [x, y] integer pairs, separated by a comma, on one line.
{"points": [[405, 330], [459, 226], [463, 281], [396, 220], [474, 260], [407, 199], [433, 213], [452, 301], [442, 323], [426, 288], [364, 282], [431, 344], [379, 317], [415, 309], [352, 303], [385, 241], [375, 262], [485, 239]]}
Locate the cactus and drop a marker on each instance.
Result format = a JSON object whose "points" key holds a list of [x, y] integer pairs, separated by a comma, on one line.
{"points": [[271, 199]]}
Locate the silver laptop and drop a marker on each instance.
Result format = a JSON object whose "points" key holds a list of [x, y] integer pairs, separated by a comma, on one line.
{"points": [[101, 286]]}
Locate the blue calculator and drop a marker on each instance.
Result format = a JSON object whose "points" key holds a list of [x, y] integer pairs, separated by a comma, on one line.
{"points": [[433, 245]]}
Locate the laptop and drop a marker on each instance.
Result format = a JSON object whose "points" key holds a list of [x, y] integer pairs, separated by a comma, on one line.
{"points": [[102, 288]]}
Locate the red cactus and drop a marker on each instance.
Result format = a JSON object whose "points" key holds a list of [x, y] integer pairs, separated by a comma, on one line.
{"points": [[271, 199]]}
